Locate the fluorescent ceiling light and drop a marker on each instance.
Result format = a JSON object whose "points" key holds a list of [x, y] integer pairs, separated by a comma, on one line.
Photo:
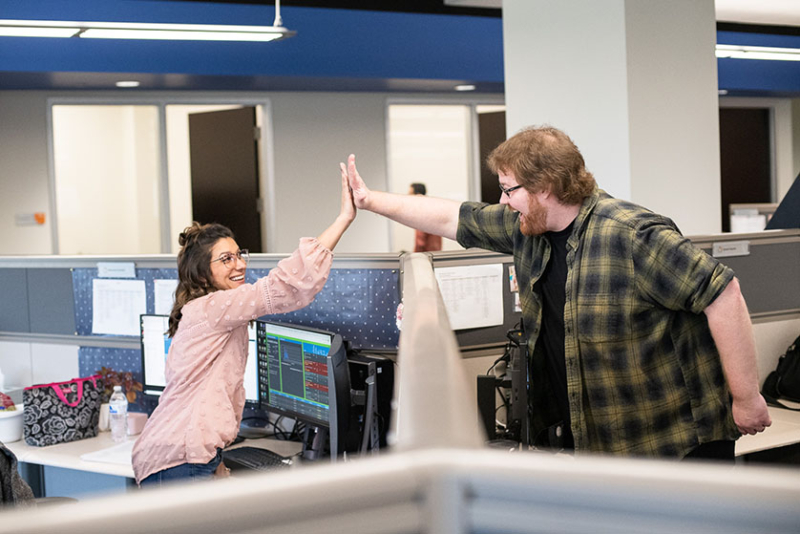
{"points": [[12, 31], [758, 52], [465, 87], [127, 83], [135, 30]]}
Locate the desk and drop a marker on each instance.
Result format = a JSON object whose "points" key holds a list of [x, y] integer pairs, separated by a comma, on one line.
{"points": [[785, 430], [116, 476]]}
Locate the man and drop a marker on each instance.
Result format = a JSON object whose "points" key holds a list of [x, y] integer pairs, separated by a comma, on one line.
{"points": [[424, 242], [640, 343]]}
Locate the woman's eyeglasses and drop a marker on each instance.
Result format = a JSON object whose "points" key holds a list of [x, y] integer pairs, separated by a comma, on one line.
{"points": [[229, 260]]}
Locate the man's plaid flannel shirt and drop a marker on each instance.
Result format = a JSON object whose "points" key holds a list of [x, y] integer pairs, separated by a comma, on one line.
{"points": [[643, 373]]}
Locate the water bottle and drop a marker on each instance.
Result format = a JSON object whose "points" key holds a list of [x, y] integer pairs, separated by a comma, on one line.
{"points": [[118, 414]]}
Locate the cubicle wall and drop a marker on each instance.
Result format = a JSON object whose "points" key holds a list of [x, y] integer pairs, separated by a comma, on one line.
{"points": [[440, 479], [767, 265], [490, 336], [52, 299]]}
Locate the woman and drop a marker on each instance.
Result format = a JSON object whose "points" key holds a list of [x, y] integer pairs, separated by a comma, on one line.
{"points": [[200, 410]]}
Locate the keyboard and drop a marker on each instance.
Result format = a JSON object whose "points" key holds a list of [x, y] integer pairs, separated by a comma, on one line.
{"points": [[255, 459]]}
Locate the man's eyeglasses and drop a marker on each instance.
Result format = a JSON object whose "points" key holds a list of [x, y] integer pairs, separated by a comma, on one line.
{"points": [[228, 260], [509, 190]]}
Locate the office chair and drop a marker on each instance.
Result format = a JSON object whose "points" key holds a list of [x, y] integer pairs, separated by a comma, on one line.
{"points": [[14, 491]]}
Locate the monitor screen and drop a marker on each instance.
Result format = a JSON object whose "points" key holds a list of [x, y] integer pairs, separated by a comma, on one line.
{"points": [[303, 374], [155, 348]]}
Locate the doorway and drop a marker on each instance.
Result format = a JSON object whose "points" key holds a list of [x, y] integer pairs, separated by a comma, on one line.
{"points": [[106, 169], [745, 158], [122, 180], [223, 147]]}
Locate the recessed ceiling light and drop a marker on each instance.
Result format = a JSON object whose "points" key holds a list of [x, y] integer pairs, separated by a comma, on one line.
{"points": [[465, 87], [128, 83], [723, 92]]}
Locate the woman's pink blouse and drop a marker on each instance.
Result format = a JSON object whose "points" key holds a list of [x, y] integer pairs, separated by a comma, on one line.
{"points": [[201, 407]]}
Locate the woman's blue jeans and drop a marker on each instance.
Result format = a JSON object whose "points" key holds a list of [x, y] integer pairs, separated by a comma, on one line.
{"points": [[184, 472]]}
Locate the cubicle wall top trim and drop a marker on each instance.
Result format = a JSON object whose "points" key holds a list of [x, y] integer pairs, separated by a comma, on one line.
{"points": [[765, 237], [383, 260]]}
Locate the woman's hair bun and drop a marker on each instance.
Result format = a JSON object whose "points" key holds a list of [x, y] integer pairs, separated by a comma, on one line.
{"points": [[189, 233]]}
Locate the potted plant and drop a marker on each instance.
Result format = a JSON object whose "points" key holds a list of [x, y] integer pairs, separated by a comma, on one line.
{"points": [[110, 379], [125, 379]]}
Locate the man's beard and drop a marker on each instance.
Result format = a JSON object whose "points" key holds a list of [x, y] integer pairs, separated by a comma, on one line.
{"points": [[535, 221]]}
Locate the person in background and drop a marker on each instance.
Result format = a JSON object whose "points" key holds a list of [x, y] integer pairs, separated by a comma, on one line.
{"points": [[200, 409], [640, 344], [424, 242]]}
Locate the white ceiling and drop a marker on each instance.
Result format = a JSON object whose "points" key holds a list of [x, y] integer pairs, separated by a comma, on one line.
{"points": [[776, 12], [772, 12]]}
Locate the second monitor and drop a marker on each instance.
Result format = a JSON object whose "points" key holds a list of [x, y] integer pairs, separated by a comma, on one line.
{"points": [[155, 349], [303, 374]]}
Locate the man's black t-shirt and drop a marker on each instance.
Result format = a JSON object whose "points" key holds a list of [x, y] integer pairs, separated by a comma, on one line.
{"points": [[552, 284]]}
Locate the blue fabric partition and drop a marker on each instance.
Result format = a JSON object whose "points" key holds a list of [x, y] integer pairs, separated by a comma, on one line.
{"points": [[359, 304]]}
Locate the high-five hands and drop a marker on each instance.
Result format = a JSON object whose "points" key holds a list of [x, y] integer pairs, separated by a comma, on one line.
{"points": [[357, 185], [348, 208]]}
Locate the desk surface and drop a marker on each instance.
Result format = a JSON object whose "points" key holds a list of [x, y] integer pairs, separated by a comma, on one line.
{"points": [[785, 430], [68, 455]]}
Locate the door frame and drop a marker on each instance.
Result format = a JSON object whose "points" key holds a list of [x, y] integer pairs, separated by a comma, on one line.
{"points": [[780, 139], [473, 164], [266, 154]]}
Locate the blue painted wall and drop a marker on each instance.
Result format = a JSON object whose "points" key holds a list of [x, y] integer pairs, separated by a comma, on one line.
{"points": [[331, 43]]}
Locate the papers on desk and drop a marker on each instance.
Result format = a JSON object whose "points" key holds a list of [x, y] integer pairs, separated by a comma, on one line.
{"points": [[473, 295], [118, 454]]}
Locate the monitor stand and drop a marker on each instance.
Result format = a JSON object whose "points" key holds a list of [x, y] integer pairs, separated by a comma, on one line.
{"points": [[314, 441]]}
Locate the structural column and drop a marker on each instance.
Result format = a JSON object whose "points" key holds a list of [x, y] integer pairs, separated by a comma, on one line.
{"points": [[634, 83]]}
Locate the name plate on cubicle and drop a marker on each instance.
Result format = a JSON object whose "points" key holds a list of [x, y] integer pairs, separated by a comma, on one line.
{"points": [[728, 249], [108, 269]]}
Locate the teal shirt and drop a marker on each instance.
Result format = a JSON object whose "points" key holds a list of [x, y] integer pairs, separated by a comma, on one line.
{"points": [[644, 377]]}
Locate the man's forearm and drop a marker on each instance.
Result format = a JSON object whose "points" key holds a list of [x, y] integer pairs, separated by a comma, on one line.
{"points": [[732, 330], [432, 215]]}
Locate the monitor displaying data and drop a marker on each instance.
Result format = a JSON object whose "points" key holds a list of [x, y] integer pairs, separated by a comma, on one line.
{"points": [[293, 371], [155, 350]]}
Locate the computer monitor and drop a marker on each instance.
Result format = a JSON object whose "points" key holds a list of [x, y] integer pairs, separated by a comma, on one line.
{"points": [[155, 348], [303, 374]]}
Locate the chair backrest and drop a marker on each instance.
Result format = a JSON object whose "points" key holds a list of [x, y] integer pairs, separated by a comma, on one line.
{"points": [[14, 491]]}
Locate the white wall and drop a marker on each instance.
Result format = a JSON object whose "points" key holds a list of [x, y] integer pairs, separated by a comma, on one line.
{"points": [[631, 84], [313, 132], [673, 111], [431, 144], [24, 184]]}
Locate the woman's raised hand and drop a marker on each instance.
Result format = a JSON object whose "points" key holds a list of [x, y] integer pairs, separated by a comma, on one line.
{"points": [[357, 185]]}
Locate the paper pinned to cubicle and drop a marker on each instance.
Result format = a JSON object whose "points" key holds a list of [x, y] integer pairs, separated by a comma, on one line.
{"points": [[164, 291], [117, 305], [473, 295]]}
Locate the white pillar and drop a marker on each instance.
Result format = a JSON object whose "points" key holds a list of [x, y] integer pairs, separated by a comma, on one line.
{"points": [[634, 83]]}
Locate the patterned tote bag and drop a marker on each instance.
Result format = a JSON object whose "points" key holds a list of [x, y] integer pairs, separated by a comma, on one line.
{"points": [[61, 411]]}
